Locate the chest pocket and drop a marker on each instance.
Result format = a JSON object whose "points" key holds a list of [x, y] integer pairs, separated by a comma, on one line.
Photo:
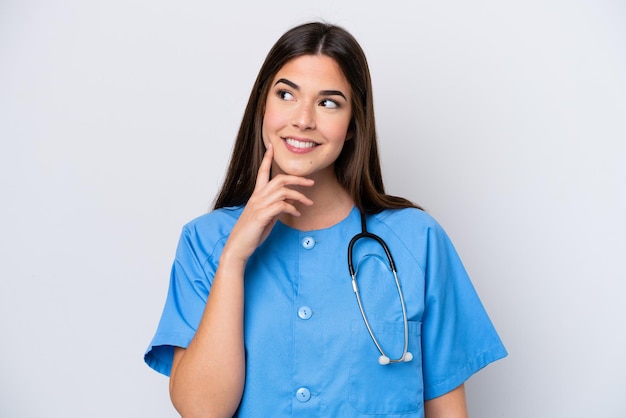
{"points": [[396, 388]]}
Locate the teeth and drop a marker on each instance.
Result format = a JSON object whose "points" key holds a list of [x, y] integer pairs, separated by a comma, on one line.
{"points": [[299, 144]]}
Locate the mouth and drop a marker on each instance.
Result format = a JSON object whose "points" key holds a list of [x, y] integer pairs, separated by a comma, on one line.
{"points": [[296, 143], [300, 145]]}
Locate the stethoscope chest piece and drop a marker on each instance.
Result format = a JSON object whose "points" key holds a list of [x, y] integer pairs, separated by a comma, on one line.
{"points": [[384, 359]]}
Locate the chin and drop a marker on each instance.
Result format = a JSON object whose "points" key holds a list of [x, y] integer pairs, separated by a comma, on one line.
{"points": [[298, 172], [300, 169]]}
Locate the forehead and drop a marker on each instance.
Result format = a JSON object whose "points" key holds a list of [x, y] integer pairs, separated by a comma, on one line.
{"points": [[319, 72]]}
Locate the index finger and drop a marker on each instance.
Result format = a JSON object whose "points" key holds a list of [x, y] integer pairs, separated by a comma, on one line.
{"points": [[263, 175]]}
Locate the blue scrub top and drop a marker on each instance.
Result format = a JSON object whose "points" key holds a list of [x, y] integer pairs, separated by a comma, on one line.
{"points": [[308, 351]]}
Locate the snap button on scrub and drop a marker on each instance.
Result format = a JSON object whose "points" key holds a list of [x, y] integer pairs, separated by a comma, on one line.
{"points": [[305, 312], [308, 243], [303, 394]]}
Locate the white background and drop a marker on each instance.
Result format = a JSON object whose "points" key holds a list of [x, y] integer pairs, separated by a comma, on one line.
{"points": [[506, 120]]}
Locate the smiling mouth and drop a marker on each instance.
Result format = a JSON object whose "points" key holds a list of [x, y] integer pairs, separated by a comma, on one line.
{"points": [[300, 144]]}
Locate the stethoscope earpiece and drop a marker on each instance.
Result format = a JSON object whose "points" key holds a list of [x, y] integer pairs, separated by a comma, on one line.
{"points": [[383, 360]]}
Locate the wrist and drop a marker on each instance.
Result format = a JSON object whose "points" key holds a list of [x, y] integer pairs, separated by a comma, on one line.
{"points": [[230, 259]]}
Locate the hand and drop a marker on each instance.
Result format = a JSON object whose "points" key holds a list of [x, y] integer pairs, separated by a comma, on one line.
{"points": [[270, 199]]}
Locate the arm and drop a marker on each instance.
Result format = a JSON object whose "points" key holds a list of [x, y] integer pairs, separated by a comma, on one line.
{"points": [[207, 378], [450, 405]]}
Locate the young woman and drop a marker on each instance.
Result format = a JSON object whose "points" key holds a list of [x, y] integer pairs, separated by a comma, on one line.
{"points": [[263, 317]]}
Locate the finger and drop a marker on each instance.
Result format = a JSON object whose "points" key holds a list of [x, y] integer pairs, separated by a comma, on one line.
{"points": [[283, 207], [271, 203], [281, 188], [263, 175], [286, 181], [291, 196]]}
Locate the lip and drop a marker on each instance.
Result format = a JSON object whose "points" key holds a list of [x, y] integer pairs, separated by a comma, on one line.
{"points": [[300, 148]]}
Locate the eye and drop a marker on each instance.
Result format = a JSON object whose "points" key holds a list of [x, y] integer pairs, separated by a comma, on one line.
{"points": [[329, 104], [284, 95]]}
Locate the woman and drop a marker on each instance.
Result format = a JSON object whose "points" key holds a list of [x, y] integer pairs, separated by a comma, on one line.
{"points": [[261, 318]]}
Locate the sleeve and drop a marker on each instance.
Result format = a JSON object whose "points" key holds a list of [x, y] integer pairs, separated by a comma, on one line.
{"points": [[458, 338], [190, 279]]}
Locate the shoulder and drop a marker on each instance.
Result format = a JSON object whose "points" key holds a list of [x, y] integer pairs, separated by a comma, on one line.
{"points": [[413, 227], [215, 220], [411, 220], [210, 230]]}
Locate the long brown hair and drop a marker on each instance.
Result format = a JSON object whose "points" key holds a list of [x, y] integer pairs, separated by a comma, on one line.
{"points": [[358, 166]]}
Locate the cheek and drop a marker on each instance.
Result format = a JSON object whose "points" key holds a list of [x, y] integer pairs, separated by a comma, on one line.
{"points": [[338, 131], [264, 132], [268, 125], [272, 118]]}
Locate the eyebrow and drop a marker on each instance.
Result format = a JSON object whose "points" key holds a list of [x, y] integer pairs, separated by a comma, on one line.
{"points": [[322, 92]]}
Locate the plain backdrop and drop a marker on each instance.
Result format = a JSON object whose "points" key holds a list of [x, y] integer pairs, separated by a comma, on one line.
{"points": [[506, 120]]}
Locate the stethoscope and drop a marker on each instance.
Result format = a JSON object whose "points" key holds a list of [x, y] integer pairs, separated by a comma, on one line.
{"points": [[384, 358]]}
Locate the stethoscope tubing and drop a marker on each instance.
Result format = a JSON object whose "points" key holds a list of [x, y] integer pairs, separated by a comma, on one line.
{"points": [[383, 359]]}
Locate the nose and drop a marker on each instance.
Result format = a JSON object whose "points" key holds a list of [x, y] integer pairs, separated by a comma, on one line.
{"points": [[303, 117]]}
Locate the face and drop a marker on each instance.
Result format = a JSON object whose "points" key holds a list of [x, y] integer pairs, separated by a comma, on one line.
{"points": [[307, 116]]}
